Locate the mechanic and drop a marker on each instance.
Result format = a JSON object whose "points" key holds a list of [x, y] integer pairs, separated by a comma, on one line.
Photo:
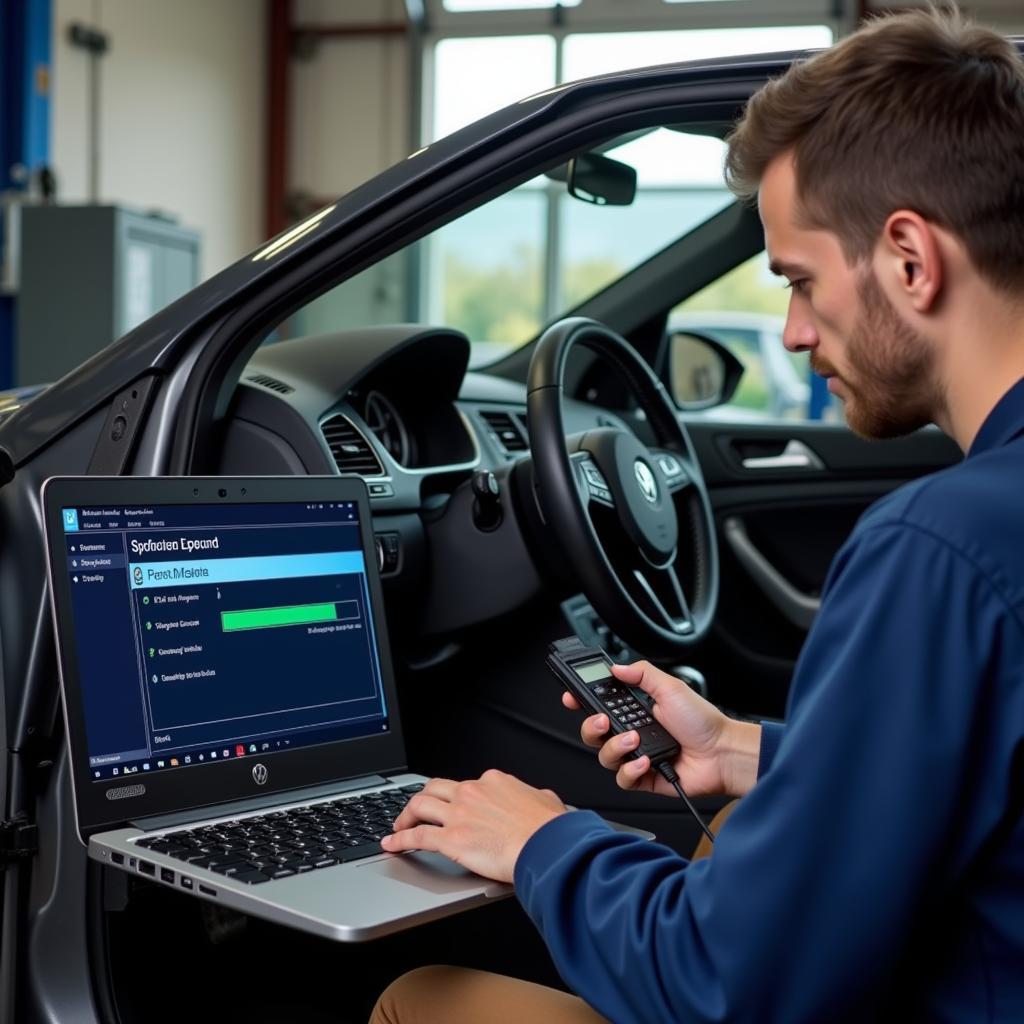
{"points": [[875, 867]]}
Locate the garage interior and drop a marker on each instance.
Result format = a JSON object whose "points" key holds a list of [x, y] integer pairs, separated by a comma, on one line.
{"points": [[147, 146]]}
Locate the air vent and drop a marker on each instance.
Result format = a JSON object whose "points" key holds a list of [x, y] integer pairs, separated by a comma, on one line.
{"points": [[352, 452], [506, 430], [271, 382]]}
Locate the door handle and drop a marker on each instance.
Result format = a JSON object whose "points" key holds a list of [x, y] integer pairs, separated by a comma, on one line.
{"points": [[796, 455], [796, 606]]}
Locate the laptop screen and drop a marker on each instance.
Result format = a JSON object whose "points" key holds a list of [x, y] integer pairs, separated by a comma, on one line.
{"points": [[206, 633]]}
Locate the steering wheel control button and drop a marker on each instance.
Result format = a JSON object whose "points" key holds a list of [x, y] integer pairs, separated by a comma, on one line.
{"points": [[596, 483], [594, 476], [673, 469]]}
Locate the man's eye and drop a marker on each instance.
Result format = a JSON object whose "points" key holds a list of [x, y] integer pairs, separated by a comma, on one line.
{"points": [[799, 285]]}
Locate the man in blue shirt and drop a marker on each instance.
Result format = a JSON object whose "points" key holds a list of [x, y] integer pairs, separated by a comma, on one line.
{"points": [[875, 867]]}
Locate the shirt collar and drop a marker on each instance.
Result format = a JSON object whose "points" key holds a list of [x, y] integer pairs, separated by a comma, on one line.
{"points": [[1003, 423]]}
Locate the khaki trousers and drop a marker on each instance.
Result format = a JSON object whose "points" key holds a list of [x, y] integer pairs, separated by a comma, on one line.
{"points": [[459, 995]]}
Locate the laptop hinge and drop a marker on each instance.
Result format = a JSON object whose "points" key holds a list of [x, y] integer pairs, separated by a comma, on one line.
{"points": [[255, 803]]}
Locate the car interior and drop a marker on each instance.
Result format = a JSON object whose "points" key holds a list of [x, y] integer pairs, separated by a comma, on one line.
{"points": [[503, 522]]}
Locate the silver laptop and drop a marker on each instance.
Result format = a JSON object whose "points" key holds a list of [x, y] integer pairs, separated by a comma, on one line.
{"points": [[229, 699]]}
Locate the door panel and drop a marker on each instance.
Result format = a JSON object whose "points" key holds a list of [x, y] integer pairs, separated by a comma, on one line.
{"points": [[780, 524]]}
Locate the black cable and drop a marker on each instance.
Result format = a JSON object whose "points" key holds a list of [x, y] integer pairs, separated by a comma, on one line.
{"points": [[668, 773]]}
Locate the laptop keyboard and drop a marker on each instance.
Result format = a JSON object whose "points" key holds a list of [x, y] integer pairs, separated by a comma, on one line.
{"points": [[291, 842]]}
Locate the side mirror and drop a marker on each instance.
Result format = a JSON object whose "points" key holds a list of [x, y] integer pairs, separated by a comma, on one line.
{"points": [[703, 372], [601, 180]]}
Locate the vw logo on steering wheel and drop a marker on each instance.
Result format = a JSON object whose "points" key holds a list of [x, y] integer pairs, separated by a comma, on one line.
{"points": [[645, 478]]}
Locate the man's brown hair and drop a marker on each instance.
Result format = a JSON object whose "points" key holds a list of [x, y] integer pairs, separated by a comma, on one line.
{"points": [[921, 111]]}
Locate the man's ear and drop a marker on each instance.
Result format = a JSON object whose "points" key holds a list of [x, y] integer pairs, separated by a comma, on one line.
{"points": [[910, 251]]}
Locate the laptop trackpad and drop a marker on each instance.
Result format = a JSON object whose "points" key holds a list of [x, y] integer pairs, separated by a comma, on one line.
{"points": [[433, 872]]}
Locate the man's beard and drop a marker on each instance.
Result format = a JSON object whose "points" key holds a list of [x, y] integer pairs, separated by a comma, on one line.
{"points": [[891, 388]]}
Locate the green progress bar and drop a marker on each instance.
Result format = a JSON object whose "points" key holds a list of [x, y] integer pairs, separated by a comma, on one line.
{"points": [[267, 618]]}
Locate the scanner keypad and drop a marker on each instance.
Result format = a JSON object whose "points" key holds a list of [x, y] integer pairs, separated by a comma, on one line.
{"points": [[627, 710]]}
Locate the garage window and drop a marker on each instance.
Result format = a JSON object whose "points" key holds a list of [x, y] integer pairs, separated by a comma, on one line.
{"points": [[550, 252]]}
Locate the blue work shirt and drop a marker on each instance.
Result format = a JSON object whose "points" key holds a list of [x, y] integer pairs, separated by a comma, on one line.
{"points": [[876, 869]]}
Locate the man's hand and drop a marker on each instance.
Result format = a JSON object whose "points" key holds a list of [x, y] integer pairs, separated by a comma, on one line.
{"points": [[718, 755], [482, 824]]}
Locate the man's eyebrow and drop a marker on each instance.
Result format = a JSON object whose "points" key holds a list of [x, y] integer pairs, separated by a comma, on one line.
{"points": [[782, 268]]}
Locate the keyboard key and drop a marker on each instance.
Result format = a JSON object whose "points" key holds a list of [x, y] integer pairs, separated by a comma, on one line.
{"points": [[358, 852], [251, 877]]}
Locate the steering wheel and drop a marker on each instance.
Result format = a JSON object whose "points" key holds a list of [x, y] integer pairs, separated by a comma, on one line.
{"points": [[635, 522]]}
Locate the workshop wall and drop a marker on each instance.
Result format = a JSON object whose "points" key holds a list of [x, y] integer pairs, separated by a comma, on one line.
{"points": [[350, 97], [182, 111]]}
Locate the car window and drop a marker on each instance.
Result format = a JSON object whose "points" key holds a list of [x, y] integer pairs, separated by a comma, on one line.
{"points": [[503, 271], [745, 310]]}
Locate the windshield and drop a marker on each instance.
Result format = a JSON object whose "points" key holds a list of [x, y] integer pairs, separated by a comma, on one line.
{"points": [[503, 271]]}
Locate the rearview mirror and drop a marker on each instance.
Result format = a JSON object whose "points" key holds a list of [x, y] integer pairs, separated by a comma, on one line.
{"points": [[601, 180], [703, 372]]}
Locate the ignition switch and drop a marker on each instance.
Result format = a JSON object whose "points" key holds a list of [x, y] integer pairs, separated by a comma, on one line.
{"points": [[486, 500]]}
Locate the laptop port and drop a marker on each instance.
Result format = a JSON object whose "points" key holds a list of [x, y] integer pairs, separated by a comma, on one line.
{"points": [[146, 868], [186, 883], [206, 890], [167, 875], [117, 858]]}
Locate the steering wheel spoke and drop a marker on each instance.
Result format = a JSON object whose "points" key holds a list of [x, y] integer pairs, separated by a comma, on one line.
{"points": [[663, 592]]}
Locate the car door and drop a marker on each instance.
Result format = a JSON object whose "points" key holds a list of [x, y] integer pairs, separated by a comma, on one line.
{"points": [[786, 495]]}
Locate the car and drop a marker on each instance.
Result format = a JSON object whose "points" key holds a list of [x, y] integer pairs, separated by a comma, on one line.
{"points": [[214, 384]]}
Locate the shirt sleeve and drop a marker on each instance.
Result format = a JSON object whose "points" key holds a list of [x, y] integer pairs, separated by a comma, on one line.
{"points": [[816, 878], [771, 737]]}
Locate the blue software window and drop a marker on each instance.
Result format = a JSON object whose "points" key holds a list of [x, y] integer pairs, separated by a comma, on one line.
{"points": [[206, 632]]}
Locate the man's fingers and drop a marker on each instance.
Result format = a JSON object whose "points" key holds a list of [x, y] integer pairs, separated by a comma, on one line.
{"points": [[594, 730], [643, 674], [443, 789], [423, 837], [423, 808], [617, 748], [570, 701], [631, 772]]}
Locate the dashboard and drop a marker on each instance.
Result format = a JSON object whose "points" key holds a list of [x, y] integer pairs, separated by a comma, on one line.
{"points": [[397, 406]]}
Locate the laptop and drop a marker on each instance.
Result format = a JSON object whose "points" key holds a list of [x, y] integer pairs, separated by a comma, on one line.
{"points": [[229, 700]]}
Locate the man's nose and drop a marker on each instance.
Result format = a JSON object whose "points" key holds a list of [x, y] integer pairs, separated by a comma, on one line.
{"points": [[799, 334]]}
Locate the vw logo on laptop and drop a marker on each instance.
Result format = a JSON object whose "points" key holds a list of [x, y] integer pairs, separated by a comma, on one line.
{"points": [[260, 773], [645, 478]]}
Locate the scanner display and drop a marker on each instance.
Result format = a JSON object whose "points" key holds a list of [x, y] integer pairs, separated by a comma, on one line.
{"points": [[592, 671]]}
